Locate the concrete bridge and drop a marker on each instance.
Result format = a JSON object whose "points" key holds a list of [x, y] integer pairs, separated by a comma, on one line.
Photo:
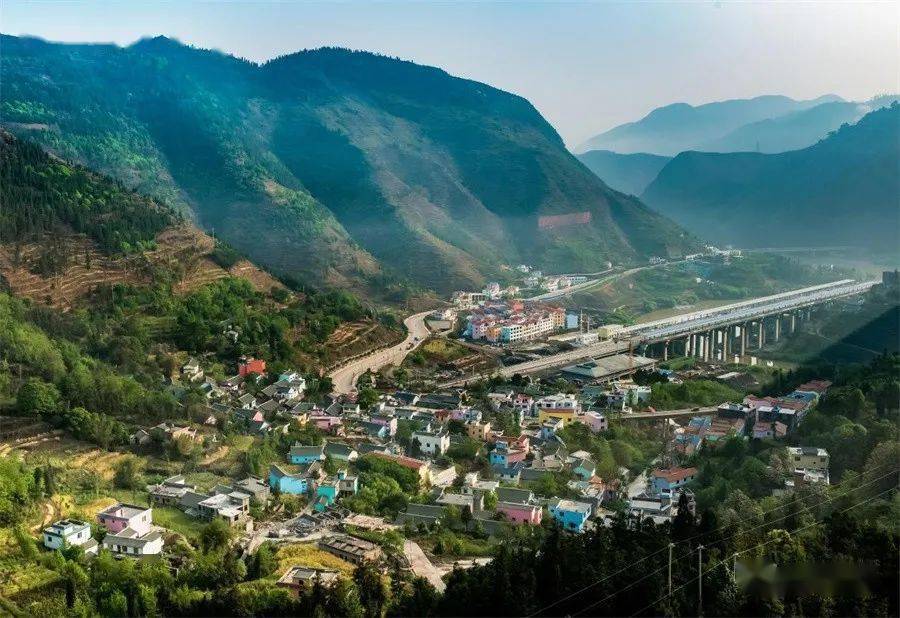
{"points": [[720, 333], [730, 331]]}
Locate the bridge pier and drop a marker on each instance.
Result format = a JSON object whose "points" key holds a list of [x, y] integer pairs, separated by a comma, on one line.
{"points": [[744, 328], [711, 348], [793, 321], [726, 335], [777, 326], [688, 345], [761, 337], [665, 351]]}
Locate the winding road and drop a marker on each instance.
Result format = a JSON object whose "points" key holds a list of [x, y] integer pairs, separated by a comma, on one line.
{"points": [[344, 378]]}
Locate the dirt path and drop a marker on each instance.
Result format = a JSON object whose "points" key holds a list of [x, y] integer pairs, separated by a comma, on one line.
{"points": [[422, 566], [49, 514]]}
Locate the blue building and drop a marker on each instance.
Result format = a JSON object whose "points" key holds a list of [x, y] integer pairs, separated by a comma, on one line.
{"points": [[305, 454], [569, 514], [300, 482], [664, 481]]}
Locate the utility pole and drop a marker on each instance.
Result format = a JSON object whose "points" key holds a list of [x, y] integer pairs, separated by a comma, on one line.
{"points": [[700, 580], [671, 547]]}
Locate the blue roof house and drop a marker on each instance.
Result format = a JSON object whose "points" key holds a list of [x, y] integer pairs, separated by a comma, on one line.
{"points": [[569, 514]]}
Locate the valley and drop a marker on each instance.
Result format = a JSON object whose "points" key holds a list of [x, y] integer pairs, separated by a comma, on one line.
{"points": [[300, 330]]}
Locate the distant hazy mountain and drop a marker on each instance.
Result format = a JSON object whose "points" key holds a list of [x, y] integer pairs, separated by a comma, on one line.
{"points": [[843, 190], [628, 173], [675, 128], [792, 131], [333, 166]]}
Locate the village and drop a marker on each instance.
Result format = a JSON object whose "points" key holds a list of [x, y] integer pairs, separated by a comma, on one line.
{"points": [[429, 480]]}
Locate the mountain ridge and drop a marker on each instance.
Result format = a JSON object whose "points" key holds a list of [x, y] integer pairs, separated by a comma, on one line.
{"points": [[331, 165], [840, 190], [678, 127]]}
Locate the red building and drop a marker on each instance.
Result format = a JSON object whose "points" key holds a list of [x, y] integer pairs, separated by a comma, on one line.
{"points": [[246, 366]]}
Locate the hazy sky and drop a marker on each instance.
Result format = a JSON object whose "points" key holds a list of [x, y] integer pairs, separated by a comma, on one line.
{"points": [[585, 66]]}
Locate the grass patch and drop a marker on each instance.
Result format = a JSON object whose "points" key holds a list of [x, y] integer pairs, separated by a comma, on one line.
{"points": [[669, 396], [307, 554], [175, 520], [19, 577]]}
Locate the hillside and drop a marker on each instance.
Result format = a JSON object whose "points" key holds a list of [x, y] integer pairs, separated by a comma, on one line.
{"points": [[679, 127], [66, 231], [334, 167], [628, 173], [841, 191]]}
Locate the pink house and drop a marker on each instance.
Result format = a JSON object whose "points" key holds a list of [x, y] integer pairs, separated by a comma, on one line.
{"points": [[120, 516], [517, 513], [594, 420], [459, 415], [515, 455], [326, 423]]}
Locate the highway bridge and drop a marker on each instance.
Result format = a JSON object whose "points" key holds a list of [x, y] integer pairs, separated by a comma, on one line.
{"points": [[723, 333]]}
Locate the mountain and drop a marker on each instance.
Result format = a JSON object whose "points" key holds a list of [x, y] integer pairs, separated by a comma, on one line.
{"points": [[792, 131], [678, 127], [335, 167], [841, 191], [628, 173]]}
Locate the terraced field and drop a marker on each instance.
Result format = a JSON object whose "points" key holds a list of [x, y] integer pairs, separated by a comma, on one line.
{"points": [[185, 249]]}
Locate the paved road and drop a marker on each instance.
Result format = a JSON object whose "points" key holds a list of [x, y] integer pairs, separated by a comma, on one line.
{"points": [[643, 416], [581, 287], [422, 566], [344, 378], [578, 287]]}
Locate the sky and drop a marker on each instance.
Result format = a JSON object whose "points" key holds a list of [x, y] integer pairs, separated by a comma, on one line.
{"points": [[586, 66]]}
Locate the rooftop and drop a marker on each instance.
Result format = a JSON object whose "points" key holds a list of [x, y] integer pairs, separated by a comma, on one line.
{"points": [[126, 511]]}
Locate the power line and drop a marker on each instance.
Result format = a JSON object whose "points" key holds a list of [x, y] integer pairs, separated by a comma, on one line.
{"points": [[631, 585], [648, 556], [764, 543], [599, 581]]}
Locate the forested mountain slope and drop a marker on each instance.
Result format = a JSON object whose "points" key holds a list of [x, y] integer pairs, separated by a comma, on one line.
{"points": [[842, 190], [332, 166], [65, 232]]}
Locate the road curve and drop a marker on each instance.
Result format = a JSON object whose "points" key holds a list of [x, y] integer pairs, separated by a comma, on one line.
{"points": [[344, 378]]}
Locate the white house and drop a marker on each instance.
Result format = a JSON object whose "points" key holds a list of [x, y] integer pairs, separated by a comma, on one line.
{"points": [[432, 442], [128, 542], [69, 532]]}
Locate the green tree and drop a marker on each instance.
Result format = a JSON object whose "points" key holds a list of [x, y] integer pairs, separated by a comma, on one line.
{"points": [[127, 473], [38, 398], [215, 535], [373, 589], [367, 398]]}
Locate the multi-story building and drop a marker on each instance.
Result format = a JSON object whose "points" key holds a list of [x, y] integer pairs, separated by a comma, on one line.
{"points": [[130, 530], [559, 407], [809, 458], [69, 533], [570, 514], [432, 442], [666, 481]]}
